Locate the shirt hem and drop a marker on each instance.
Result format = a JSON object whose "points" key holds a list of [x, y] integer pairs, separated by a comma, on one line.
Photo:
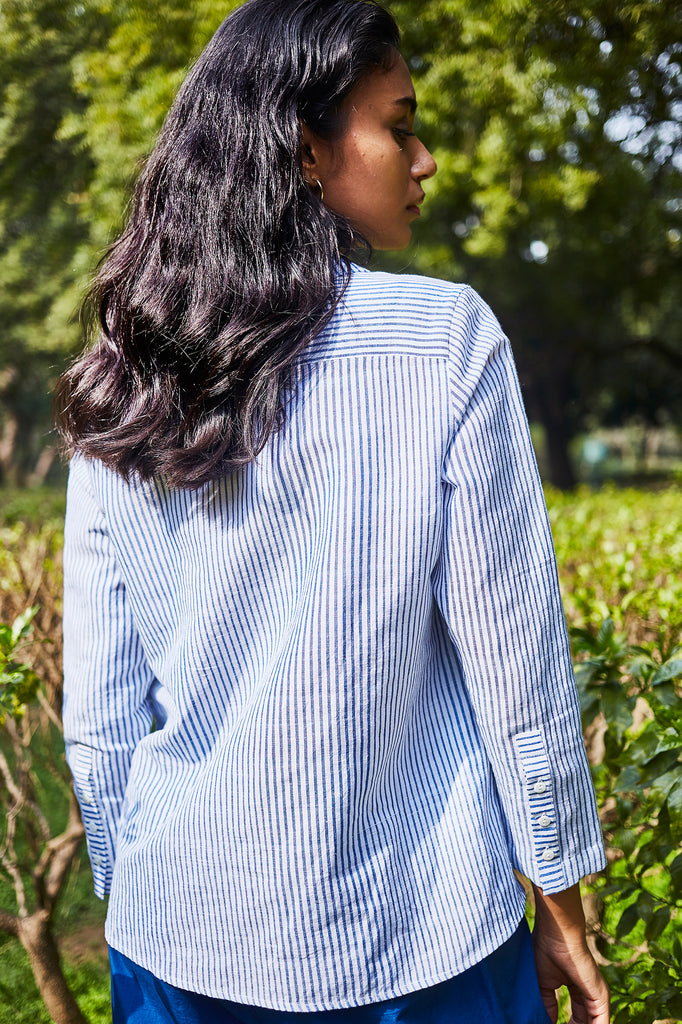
{"points": [[235, 995]]}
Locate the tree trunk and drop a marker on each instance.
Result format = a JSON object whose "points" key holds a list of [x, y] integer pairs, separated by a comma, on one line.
{"points": [[550, 401], [37, 939], [8, 438], [42, 466], [561, 472]]}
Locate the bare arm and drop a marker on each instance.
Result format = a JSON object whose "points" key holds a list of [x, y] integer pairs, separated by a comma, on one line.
{"points": [[563, 958]]}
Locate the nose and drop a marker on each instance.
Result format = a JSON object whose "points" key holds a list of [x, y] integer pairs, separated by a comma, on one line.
{"points": [[423, 165]]}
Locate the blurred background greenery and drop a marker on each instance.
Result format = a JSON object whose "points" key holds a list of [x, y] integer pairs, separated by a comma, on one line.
{"points": [[557, 127], [558, 132]]}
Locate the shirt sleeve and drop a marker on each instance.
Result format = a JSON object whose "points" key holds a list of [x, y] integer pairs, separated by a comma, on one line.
{"points": [[497, 588], [107, 681]]}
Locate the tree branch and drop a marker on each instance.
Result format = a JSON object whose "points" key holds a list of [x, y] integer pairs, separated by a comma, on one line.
{"points": [[8, 923], [12, 786], [22, 793], [8, 861], [49, 710], [64, 849]]}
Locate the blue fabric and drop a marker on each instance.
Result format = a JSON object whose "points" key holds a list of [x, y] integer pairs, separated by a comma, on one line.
{"points": [[503, 989], [354, 654]]}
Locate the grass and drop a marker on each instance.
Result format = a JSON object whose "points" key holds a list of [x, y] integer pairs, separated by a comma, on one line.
{"points": [[37, 507], [80, 929], [20, 1002]]}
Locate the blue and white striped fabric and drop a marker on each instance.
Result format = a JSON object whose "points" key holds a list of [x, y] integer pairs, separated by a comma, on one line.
{"points": [[355, 657]]}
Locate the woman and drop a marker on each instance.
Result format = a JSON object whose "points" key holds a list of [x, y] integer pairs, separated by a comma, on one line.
{"points": [[318, 701]]}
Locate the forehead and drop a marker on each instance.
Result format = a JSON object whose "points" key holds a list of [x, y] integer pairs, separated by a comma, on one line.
{"points": [[385, 91]]}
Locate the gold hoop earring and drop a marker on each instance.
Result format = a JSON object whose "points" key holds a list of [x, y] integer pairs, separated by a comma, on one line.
{"points": [[316, 181]]}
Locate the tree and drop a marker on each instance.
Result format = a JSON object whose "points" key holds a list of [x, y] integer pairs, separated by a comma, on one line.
{"points": [[84, 87], [557, 131], [43, 179], [35, 854]]}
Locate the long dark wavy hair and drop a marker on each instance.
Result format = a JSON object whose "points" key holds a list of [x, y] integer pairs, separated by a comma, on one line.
{"points": [[230, 264]]}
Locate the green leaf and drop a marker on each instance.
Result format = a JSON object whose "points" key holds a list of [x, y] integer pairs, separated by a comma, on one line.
{"points": [[605, 633], [21, 627], [623, 1016], [5, 639], [657, 924], [670, 670], [589, 704], [641, 666], [655, 849], [677, 952], [645, 906], [586, 672], [662, 786], [617, 707], [583, 639], [661, 954], [674, 1006], [625, 840], [675, 870], [665, 694], [628, 780], [674, 805], [658, 765], [628, 919]]}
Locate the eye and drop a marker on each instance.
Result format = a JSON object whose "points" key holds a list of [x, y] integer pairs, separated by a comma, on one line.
{"points": [[401, 134]]}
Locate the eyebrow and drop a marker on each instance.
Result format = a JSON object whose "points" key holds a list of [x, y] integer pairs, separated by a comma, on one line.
{"points": [[407, 101]]}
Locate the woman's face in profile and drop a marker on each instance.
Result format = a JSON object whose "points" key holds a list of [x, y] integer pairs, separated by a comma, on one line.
{"points": [[372, 175]]}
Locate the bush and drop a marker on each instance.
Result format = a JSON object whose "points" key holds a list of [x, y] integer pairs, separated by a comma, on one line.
{"points": [[632, 694], [620, 557], [619, 554]]}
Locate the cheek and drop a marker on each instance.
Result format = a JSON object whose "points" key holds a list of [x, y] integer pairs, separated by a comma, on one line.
{"points": [[366, 158]]}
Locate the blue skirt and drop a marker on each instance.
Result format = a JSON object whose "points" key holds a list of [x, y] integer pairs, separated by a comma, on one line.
{"points": [[502, 989]]}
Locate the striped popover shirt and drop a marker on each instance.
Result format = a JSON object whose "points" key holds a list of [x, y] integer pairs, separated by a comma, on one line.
{"points": [[318, 710]]}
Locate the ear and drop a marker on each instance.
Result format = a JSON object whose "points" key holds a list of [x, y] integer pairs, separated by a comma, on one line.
{"points": [[312, 152]]}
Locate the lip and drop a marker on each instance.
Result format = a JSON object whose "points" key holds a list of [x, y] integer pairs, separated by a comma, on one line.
{"points": [[414, 207]]}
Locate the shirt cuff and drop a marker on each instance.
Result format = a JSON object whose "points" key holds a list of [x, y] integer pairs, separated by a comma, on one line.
{"points": [[80, 762], [551, 876]]}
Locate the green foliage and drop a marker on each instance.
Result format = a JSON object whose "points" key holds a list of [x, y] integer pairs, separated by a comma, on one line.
{"points": [[636, 691], [619, 553], [44, 254], [555, 128], [18, 682], [619, 559], [38, 508]]}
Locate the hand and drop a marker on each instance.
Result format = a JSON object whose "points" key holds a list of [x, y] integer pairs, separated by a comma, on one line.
{"points": [[562, 957]]}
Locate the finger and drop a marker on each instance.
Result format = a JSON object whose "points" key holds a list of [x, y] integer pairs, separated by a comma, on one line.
{"points": [[549, 1001], [579, 1013], [589, 1009], [585, 1010], [600, 1013]]}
